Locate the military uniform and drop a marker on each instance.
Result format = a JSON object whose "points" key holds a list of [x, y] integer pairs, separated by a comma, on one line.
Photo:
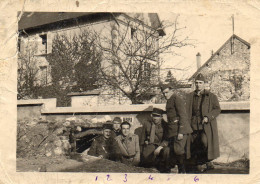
{"points": [[129, 147], [115, 133], [177, 124], [105, 147], [159, 139], [205, 145]]}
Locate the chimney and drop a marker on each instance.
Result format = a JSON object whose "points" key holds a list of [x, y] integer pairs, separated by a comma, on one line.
{"points": [[198, 60]]}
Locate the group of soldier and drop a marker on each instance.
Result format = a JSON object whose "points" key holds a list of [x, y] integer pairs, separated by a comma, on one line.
{"points": [[189, 137]]}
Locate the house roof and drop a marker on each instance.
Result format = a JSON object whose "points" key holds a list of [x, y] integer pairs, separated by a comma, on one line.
{"points": [[31, 20], [156, 23], [214, 54], [35, 19]]}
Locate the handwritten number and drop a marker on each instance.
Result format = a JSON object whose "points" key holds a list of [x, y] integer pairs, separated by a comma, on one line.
{"points": [[196, 179], [150, 177], [108, 178], [96, 178], [125, 178]]}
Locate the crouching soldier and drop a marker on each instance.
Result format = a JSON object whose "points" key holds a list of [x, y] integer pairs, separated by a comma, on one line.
{"points": [[178, 129], [153, 141], [104, 146], [129, 145]]}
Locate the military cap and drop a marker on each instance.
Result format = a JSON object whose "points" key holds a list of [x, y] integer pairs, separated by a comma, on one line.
{"points": [[169, 85], [125, 123], [117, 120], [107, 126], [200, 77], [108, 122], [157, 111]]}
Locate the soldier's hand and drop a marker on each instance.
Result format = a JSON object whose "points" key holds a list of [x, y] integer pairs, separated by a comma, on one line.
{"points": [[205, 120], [164, 143], [157, 151], [180, 137], [146, 142], [100, 156]]}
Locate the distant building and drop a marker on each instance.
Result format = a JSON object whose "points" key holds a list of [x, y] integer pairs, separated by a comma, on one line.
{"points": [[37, 30], [228, 70]]}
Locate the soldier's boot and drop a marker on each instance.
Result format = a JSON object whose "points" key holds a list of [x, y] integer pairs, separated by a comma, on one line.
{"points": [[209, 165], [201, 168], [181, 163]]}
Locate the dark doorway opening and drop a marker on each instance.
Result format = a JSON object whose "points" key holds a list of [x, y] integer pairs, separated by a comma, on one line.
{"points": [[85, 138]]}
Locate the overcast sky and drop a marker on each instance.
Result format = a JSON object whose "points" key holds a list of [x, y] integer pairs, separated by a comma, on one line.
{"points": [[210, 33]]}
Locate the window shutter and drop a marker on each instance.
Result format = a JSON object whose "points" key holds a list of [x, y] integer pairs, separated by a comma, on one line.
{"points": [[49, 42]]}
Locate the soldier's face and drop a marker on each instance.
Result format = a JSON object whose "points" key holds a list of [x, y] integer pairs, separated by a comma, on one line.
{"points": [[157, 119], [125, 130], [200, 85], [106, 133], [116, 126], [168, 93]]}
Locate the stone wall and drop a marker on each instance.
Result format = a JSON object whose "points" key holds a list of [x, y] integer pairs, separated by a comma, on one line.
{"points": [[233, 129], [31, 109], [229, 74]]}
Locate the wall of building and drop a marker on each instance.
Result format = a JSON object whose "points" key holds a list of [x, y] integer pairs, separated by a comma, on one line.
{"points": [[229, 74], [104, 28], [233, 129], [31, 109], [28, 112]]}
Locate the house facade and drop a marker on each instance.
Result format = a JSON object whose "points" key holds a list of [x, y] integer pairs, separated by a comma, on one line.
{"points": [[227, 71], [37, 30]]}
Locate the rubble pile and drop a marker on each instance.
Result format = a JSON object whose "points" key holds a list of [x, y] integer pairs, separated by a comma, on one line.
{"points": [[39, 138]]}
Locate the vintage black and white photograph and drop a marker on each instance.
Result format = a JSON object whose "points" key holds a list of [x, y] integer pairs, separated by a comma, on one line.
{"points": [[127, 92]]}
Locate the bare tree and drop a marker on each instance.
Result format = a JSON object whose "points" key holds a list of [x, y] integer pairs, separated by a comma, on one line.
{"points": [[125, 60], [131, 62], [27, 76]]}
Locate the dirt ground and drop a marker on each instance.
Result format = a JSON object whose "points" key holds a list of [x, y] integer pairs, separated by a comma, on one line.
{"points": [[85, 163], [76, 164]]}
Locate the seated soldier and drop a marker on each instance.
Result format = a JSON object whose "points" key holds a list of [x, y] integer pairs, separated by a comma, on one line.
{"points": [[153, 141], [104, 146], [129, 145], [116, 127]]}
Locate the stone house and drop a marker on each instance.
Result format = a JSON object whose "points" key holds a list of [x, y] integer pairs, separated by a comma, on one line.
{"points": [[38, 29], [227, 71]]}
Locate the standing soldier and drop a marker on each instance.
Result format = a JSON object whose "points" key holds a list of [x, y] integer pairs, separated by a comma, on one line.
{"points": [[203, 108], [153, 140], [129, 145], [178, 128]]}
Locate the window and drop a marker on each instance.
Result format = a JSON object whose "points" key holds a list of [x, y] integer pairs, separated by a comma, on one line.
{"points": [[44, 42], [132, 32], [44, 75], [147, 70], [133, 72], [19, 44]]}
